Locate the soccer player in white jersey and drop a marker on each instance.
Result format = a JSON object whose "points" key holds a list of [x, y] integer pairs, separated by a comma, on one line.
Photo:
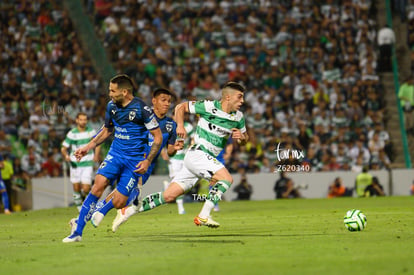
{"points": [[218, 121], [80, 172]]}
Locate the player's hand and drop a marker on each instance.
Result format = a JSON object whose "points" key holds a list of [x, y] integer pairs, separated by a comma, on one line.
{"points": [[142, 166], [237, 135], [181, 131], [179, 144], [67, 158], [96, 158], [81, 152]]}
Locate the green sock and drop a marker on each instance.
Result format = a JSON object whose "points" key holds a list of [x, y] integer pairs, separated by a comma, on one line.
{"points": [[152, 201], [217, 190], [77, 199]]}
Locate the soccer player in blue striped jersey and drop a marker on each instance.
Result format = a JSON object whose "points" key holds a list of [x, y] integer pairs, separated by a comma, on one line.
{"points": [[129, 119], [218, 121], [161, 101]]}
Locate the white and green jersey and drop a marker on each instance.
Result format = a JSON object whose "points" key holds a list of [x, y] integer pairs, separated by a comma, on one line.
{"points": [[76, 139], [179, 155], [214, 126]]}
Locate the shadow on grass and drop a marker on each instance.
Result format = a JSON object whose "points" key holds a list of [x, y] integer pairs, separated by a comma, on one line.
{"points": [[187, 238]]}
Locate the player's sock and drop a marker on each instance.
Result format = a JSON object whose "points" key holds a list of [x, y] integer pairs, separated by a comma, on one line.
{"points": [[180, 204], [133, 196], [86, 212], [106, 207], [213, 197], [152, 201], [5, 199], [99, 205], [77, 199]]}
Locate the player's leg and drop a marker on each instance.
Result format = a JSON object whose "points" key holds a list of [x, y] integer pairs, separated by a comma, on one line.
{"points": [[4, 197], [85, 174], [127, 184], [174, 167], [184, 181], [223, 181], [88, 207], [75, 180], [108, 171], [200, 163]]}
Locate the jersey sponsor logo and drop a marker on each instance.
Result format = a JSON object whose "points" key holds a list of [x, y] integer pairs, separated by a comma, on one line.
{"points": [[121, 129], [213, 127], [132, 115], [113, 112], [121, 136]]}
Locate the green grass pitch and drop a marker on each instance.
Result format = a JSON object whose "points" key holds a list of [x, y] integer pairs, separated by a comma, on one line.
{"points": [[305, 236]]}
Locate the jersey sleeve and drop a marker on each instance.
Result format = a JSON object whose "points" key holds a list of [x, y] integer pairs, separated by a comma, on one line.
{"points": [[173, 136], [197, 107], [108, 118], [242, 125], [68, 140], [150, 121]]}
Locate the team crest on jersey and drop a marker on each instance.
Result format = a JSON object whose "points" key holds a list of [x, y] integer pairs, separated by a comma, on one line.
{"points": [[132, 115], [147, 108], [168, 127]]}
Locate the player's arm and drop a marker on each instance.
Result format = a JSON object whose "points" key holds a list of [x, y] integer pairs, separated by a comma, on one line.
{"points": [[65, 153], [174, 144], [173, 148], [97, 153], [227, 151], [180, 111], [241, 138], [143, 165], [164, 154], [103, 134], [156, 145]]}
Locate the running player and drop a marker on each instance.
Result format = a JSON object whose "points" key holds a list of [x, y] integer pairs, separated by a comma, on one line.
{"points": [[218, 121], [161, 101], [130, 119]]}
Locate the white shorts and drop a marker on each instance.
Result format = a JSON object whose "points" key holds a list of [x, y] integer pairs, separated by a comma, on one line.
{"points": [[197, 164], [174, 167], [81, 175]]}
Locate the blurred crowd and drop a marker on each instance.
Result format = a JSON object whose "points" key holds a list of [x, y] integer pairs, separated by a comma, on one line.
{"points": [[46, 79], [310, 68]]}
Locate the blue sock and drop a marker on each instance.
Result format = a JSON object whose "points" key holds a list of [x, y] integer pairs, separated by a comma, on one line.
{"points": [[86, 212], [5, 198], [107, 206], [134, 194], [99, 205]]}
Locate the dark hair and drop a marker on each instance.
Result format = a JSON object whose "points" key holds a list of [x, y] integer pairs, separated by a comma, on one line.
{"points": [[235, 86], [160, 91], [124, 82], [81, 114]]}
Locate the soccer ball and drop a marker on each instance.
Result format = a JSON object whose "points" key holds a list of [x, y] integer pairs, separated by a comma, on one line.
{"points": [[355, 220]]}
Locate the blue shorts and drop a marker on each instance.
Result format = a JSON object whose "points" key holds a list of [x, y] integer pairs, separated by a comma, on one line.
{"points": [[121, 169], [147, 174]]}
